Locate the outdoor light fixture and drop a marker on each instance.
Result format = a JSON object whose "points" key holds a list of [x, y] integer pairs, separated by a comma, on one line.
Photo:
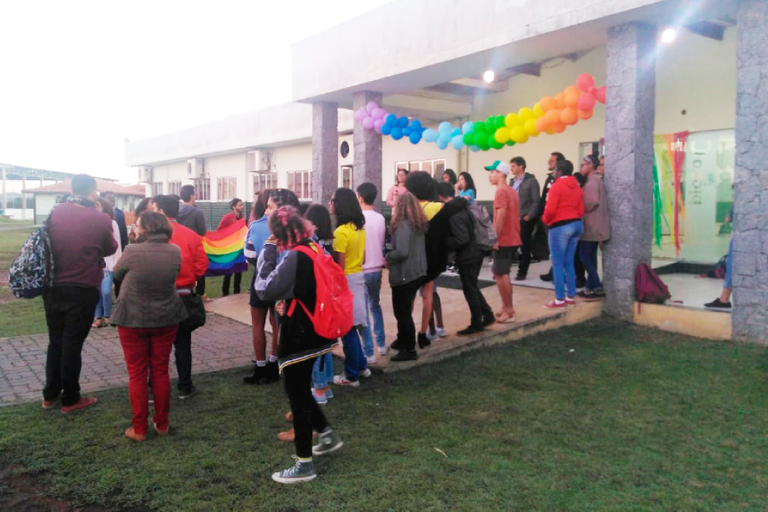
{"points": [[489, 76], [668, 35]]}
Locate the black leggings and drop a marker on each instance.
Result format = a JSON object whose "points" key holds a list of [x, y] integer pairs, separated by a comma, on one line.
{"points": [[402, 304], [307, 415]]}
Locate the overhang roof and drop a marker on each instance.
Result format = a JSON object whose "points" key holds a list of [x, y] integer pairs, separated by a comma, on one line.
{"points": [[102, 186]]}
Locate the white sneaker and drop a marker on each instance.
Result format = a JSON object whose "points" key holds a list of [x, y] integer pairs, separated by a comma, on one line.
{"points": [[371, 359], [383, 350], [432, 336], [365, 373], [440, 331]]}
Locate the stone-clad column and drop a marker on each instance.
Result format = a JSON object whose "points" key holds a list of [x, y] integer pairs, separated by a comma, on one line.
{"points": [[325, 155], [629, 123], [750, 233], [367, 148]]}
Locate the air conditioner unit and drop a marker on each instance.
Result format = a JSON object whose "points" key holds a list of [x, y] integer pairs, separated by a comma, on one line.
{"points": [[145, 175], [259, 161], [195, 168]]}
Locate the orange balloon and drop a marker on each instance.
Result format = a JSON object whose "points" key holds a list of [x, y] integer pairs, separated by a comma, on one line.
{"points": [[550, 131], [547, 103], [552, 117], [560, 99], [585, 114], [559, 127], [572, 97], [569, 116], [572, 89], [542, 124]]}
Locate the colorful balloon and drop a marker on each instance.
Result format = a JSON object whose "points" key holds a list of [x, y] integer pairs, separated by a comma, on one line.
{"points": [[466, 127], [371, 106], [479, 127], [559, 127], [416, 125], [502, 135], [569, 116], [391, 120], [552, 117], [402, 122], [444, 127], [430, 135], [415, 136], [550, 131], [469, 138], [360, 114], [368, 123], [530, 128], [572, 95], [386, 129], [542, 124], [537, 110], [378, 113], [548, 103], [397, 133], [585, 81], [511, 143], [601, 94], [457, 142], [526, 115], [511, 120], [560, 100], [586, 101], [518, 134], [585, 114]]}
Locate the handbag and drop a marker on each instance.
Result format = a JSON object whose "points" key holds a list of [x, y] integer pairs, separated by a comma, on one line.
{"points": [[195, 311]]}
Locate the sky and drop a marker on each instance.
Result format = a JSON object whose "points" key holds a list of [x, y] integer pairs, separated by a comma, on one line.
{"points": [[77, 78]]}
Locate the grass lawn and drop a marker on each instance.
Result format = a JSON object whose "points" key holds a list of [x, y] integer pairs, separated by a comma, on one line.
{"points": [[603, 416]]}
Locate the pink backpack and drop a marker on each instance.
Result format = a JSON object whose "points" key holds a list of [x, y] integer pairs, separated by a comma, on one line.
{"points": [[649, 287]]}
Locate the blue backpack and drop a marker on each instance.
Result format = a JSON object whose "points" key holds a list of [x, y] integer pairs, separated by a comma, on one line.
{"points": [[32, 272]]}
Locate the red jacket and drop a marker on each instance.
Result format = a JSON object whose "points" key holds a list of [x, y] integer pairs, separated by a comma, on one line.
{"points": [[564, 202], [228, 220], [194, 261]]}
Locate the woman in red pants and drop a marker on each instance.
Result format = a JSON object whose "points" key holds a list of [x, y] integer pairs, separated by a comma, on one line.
{"points": [[147, 314]]}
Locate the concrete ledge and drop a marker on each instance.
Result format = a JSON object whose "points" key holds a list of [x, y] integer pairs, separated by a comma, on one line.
{"points": [[692, 322]]}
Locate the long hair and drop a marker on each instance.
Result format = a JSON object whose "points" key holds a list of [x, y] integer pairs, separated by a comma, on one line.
{"points": [[319, 216], [106, 207], [143, 206], [347, 209], [451, 176], [289, 227], [407, 208], [259, 205], [469, 181]]}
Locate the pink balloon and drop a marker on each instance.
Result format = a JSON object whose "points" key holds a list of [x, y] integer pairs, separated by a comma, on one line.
{"points": [[378, 123], [360, 114], [586, 102], [600, 94], [368, 123], [377, 129], [585, 82], [378, 113], [371, 106]]}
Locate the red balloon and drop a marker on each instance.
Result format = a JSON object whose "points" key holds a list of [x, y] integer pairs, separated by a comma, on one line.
{"points": [[601, 93], [585, 82], [586, 102]]}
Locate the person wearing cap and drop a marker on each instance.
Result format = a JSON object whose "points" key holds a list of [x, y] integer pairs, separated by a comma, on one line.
{"points": [[597, 228], [527, 188], [506, 222]]}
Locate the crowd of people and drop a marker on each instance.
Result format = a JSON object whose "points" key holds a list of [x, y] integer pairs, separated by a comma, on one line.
{"points": [[158, 264]]}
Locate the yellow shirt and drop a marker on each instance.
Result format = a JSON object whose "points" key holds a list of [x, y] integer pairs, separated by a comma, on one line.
{"points": [[430, 209], [350, 241]]}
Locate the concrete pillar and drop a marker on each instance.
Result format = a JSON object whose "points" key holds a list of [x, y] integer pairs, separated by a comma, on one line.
{"points": [[325, 153], [750, 234], [629, 123], [24, 196], [367, 147]]}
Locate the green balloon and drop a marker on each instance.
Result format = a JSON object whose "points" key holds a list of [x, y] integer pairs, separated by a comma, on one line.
{"points": [[479, 127], [492, 141], [499, 122], [510, 142], [479, 138], [469, 138]]}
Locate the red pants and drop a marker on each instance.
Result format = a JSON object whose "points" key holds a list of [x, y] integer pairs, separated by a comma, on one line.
{"points": [[148, 350]]}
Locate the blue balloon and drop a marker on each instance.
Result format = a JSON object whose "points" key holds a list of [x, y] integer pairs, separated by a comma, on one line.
{"points": [[445, 127], [416, 124], [430, 135], [391, 120], [455, 132], [402, 122], [444, 137], [467, 127], [474, 149], [397, 133], [415, 137], [441, 144], [458, 142], [386, 130], [407, 131]]}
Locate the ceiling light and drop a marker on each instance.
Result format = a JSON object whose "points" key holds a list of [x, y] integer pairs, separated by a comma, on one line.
{"points": [[668, 35], [489, 76]]}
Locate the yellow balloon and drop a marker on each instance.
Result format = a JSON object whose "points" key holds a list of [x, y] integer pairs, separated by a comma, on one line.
{"points": [[518, 134], [550, 131], [530, 128], [502, 135], [511, 120], [537, 110], [526, 115]]}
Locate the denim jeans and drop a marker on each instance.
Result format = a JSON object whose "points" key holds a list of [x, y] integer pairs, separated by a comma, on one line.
{"points": [[729, 267], [588, 255], [322, 377], [104, 307], [562, 245], [373, 287], [354, 358]]}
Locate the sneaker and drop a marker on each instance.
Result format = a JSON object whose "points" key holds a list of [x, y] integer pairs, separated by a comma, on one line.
{"points": [[329, 442], [342, 380], [183, 395], [718, 304], [320, 397], [521, 277], [405, 355], [588, 296], [440, 331], [396, 345], [365, 373], [301, 472], [488, 320], [130, 433], [570, 302], [555, 304], [547, 278], [599, 293], [329, 393], [272, 373], [432, 336], [470, 331], [49, 404], [83, 403], [259, 373], [383, 350], [424, 341], [371, 359]]}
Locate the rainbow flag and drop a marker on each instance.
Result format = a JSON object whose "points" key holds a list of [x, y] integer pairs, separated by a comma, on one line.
{"points": [[224, 248]]}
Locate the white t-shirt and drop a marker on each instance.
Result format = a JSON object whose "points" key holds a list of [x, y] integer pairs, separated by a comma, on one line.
{"points": [[111, 261], [375, 228]]}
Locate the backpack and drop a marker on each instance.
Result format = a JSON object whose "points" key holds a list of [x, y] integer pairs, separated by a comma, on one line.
{"points": [[718, 272], [334, 305], [649, 287], [485, 235], [32, 271]]}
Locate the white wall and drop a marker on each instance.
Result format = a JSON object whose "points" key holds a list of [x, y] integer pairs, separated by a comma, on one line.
{"points": [[44, 203], [226, 166], [19, 214], [287, 159], [175, 171]]}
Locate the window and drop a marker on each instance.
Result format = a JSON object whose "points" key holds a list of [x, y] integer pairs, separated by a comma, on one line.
{"points": [[157, 189], [300, 182], [203, 189], [227, 188], [434, 167], [264, 181], [345, 176], [174, 188]]}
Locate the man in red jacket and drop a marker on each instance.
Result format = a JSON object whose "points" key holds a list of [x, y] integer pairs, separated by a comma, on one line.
{"points": [[194, 263], [238, 209]]}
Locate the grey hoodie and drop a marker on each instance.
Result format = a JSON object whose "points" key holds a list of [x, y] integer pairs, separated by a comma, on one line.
{"points": [[408, 258]]}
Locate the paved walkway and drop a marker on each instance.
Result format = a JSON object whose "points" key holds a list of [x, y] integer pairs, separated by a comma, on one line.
{"points": [[222, 344]]}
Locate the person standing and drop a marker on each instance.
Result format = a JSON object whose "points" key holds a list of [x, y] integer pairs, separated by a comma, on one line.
{"points": [[527, 188], [597, 228], [238, 208], [192, 218], [563, 213], [551, 166], [375, 231], [80, 238], [465, 187], [104, 308], [194, 263], [148, 315], [398, 188], [506, 222], [122, 229]]}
